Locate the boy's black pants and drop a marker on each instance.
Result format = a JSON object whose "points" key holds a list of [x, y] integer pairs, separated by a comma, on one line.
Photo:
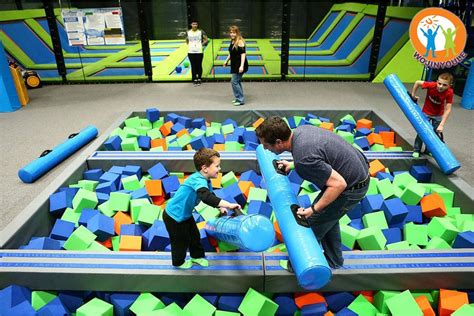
{"points": [[183, 235], [196, 65]]}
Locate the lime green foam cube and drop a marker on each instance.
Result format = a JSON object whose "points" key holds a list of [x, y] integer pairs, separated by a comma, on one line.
{"points": [[146, 302], [143, 130], [146, 123], [197, 132], [348, 235], [446, 194], [347, 117], [106, 209], [183, 140], [347, 136], [209, 212], [380, 300], [96, 307], [96, 247], [412, 194], [373, 187], [345, 220], [225, 246], [116, 243], [118, 132], [88, 185], [199, 306], [211, 130], [443, 228], [119, 201], [148, 214], [429, 186], [395, 148], [232, 146], [404, 304], [385, 188], [180, 175], [257, 304], [41, 298], [228, 179], [154, 134], [415, 234], [159, 123], [402, 180], [437, 243], [375, 219], [401, 245], [84, 199], [159, 149], [133, 121], [131, 183], [80, 239], [453, 211], [377, 147], [130, 144], [71, 215], [464, 310], [361, 306], [308, 186], [256, 194], [224, 313], [371, 239], [315, 121], [130, 132], [227, 129], [170, 139]]}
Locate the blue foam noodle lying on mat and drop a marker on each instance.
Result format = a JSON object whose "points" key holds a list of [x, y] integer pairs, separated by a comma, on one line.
{"points": [[40, 166], [441, 153], [306, 256], [249, 232]]}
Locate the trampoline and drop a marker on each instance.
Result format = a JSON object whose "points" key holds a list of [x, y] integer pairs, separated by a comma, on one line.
{"points": [[140, 59], [253, 70], [120, 72], [249, 57]]}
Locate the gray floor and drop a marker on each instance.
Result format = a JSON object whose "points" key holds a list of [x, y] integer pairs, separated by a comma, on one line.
{"points": [[57, 111]]}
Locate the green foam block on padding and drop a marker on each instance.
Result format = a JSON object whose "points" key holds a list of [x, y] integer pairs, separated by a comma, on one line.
{"points": [[148, 214], [348, 235], [130, 144], [375, 219], [80, 239], [446, 194], [371, 239], [119, 201], [106, 209], [443, 228], [146, 302], [380, 300], [133, 122], [131, 183], [404, 304], [84, 199], [96, 307], [155, 134], [71, 215], [437, 243], [412, 194], [401, 245], [256, 194], [228, 179], [232, 146], [41, 298], [385, 188], [257, 304], [415, 234], [199, 306], [361, 306], [402, 180]]}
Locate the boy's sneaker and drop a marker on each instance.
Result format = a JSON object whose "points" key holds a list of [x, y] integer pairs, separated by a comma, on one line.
{"points": [[237, 103], [201, 261], [186, 265], [195, 83], [286, 264], [198, 82]]}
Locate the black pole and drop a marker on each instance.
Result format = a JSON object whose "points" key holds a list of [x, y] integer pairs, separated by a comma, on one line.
{"points": [[191, 11], [378, 31], [143, 7], [19, 6], [285, 38], [53, 30]]}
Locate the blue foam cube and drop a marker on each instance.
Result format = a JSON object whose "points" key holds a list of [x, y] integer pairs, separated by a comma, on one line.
{"points": [[363, 132], [210, 141], [185, 121], [92, 174], [392, 235], [141, 193], [372, 203], [415, 214], [218, 139], [211, 298], [114, 143], [251, 176], [344, 127], [346, 312], [199, 142], [356, 212], [230, 302], [116, 169], [176, 128], [173, 117], [304, 122], [206, 244], [464, 240], [239, 131], [304, 201], [102, 226], [102, 197], [259, 207], [197, 217], [324, 119], [286, 304], [58, 203], [110, 177], [62, 230], [379, 129], [158, 171], [421, 173], [291, 122], [318, 309], [13, 295], [395, 211], [198, 122], [234, 192], [362, 142], [250, 146], [232, 138], [54, 307], [384, 175], [132, 229], [170, 184], [230, 121], [152, 114], [70, 194], [72, 299], [250, 136], [43, 243], [294, 177], [357, 224], [339, 300], [23, 309], [156, 237], [87, 214], [144, 142], [122, 302]]}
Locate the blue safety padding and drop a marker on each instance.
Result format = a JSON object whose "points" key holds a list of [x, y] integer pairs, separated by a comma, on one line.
{"points": [[162, 50], [253, 70], [120, 72], [249, 57], [52, 73], [467, 100], [372, 266], [40, 166], [85, 60], [140, 59], [392, 33], [364, 255], [28, 42], [332, 16]]}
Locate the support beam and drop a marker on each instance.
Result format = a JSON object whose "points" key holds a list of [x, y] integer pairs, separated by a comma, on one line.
{"points": [[53, 30], [143, 7], [285, 38], [377, 39]]}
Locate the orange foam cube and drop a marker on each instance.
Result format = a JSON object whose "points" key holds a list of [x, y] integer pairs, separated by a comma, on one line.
{"points": [[364, 123], [374, 138], [450, 301], [182, 132], [327, 125], [329, 314], [433, 205], [158, 200], [258, 122], [219, 147], [154, 187], [120, 218], [278, 234], [159, 142], [375, 166], [245, 187], [302, 299], [216, 183], [130, 243], [107, 243], [165, 129], [425, 306], [388, 138]]}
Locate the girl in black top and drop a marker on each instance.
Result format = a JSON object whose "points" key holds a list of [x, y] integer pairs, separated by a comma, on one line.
{"points": [[238, 64]]}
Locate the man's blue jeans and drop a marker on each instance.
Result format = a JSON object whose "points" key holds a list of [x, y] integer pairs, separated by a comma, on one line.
{"points": [[435, 121], [236, 82], [325, 224]]}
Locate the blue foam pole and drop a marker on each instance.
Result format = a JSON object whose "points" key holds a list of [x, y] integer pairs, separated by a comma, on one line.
{"points": [[467, 101], [35, 169], [306, 256], [441, 153], [248, 232]]}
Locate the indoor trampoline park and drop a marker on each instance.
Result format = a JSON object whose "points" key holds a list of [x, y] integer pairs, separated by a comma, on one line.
{"points": [[218, 158]]}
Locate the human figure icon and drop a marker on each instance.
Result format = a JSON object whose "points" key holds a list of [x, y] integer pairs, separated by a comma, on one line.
{"points": [[449, 45], [430, 36]]}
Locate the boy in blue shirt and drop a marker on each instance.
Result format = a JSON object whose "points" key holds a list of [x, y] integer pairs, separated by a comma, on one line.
{"points": [[178, 217]]}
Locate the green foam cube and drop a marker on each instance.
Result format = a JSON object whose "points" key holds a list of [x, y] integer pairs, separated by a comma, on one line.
{"points": [[232, 146], [88, 185], [361, 306], [371, 239], [106, 209], [395, 148], [402, 180], [116, 243], [415, 234], [84, 199], [225, 246], [170, 139], [96, 247], [146, 302], [412, 194], [437, 243], [348, 235], [146, 123], [148, 214], [80, 239], [71, 215], [96, 307], [154, 134], [130, 144], [133, 122], [377, 147], [464, 310], [159, 148], [375, 219], [130, 132], [385, 188], [216, 124], [347, 117], [209, 212], [41, 298], [401, 245], [119, 201], [180, 175], [159, 123], [347, 136], [228, 179], [118, 132], [446, 194], [429, 186], [373, 187], [380, 300], [131, 183], [197, 132], [256, 194], [143, 130], [315, 121], [344, 220], [443, 228], [453, 211], [257, 304], [227, 129], [183, 140], [404, 304], [308, 186], [211, 130], [199, 306]]}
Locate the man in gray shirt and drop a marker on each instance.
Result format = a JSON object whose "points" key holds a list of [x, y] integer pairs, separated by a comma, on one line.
{"points": [[327, 160]]}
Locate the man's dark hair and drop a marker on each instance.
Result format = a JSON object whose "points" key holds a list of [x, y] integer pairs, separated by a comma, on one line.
{"points": [[273, 128], [204, 157]]}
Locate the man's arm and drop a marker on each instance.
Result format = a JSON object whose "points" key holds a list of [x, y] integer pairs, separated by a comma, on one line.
{"points": [[446, 113], [335, 185], [416, 86]]}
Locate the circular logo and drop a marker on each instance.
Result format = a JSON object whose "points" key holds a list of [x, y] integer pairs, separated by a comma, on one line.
{"points": [[437, 35]]}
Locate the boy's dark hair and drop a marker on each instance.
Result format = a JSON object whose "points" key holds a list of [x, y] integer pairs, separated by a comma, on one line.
{"points": [[273, 128], [204, 157], [447, 76]]}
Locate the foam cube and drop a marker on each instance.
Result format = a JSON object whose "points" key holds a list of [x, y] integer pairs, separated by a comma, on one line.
{"points": [[385, 187], [348, 235], [122, 302], [433, 205], [403, 179], [376, 219], [114, 143], [148, 214], [445, 194], [62, 230], [58, 203], [43, 243], [84, 199], [54, 307], [170, 184], [198, 123], [119, 201], [80, 239], [361, 306], [421, 173], [132, 230], [130, 243], [464, 240], [255, 303], [152, 114], [404, 304], [256, 194], [252, 176], [158, 171], [156, 237], [13, 295], [450, 301], [416, 234], [95, 307], [259, 207], [102, 226], [392, 235], [443, 228], [92, 174], [395, 211], [229, 302], [414, 214], [372, 203], [412, 194], [199, 142], [228, 179], [41, 298], [371, 239], [131, 183], [437, 243], [199, 306]]}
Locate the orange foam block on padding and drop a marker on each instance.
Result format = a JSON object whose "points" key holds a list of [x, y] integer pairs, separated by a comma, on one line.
{"points": [[327, 125], [329, 314], [107, 243], [425, 306], [219, 147], [302, 299], [120, 218], [182, 132], [154, 187], [245, 187], [216, 183], [375, 166], [364, 123], [450, 301], [130, 243], [369, 295], [161, 142], [374, 138], [258, 122], [165, 129], [278, 234], [388, 139], [158, 200], [433, 205]]}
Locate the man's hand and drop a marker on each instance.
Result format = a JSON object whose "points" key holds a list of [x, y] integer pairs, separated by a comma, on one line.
{"points": [[306, 212], [288, 165], [241, 69], [440, 128]]}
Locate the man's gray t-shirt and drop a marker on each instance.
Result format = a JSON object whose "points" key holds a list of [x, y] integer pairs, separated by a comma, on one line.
{"points": [[317, 151]]}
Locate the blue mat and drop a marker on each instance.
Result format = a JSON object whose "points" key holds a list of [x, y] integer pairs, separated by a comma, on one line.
{"points": [[120, 72], [253, 70], [332, 16]]}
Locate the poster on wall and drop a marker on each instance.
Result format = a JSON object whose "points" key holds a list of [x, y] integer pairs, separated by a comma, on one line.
{"points": [[102, 26]]}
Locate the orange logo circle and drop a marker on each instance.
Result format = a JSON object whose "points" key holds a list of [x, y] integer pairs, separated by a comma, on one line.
{"points": [[438, 36]]}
